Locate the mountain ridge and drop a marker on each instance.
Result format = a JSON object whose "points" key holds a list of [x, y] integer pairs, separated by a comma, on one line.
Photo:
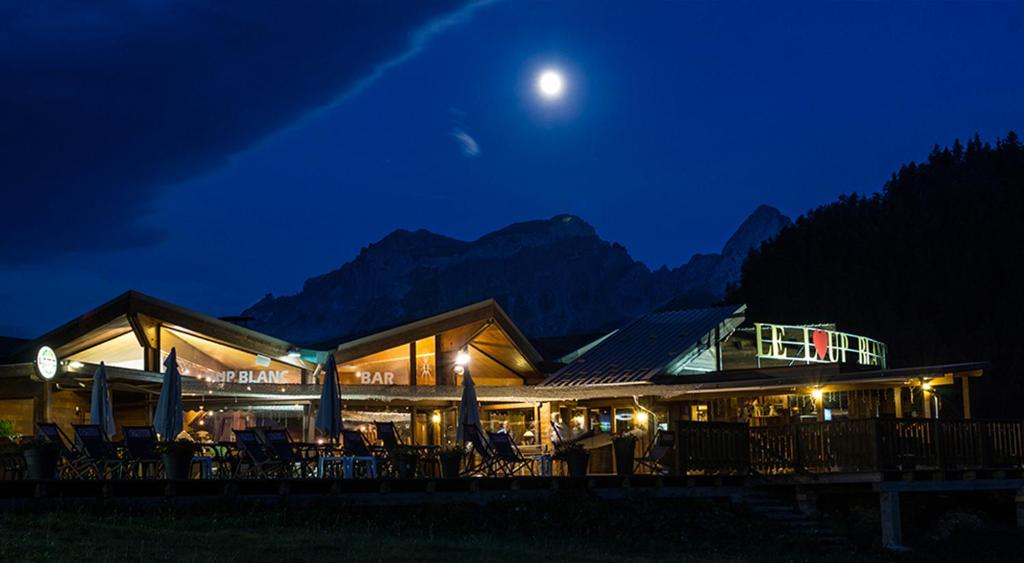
{"points": [[554, 276]]}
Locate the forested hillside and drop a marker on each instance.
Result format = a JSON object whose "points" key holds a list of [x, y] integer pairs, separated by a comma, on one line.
{"points": [[933, 265]]}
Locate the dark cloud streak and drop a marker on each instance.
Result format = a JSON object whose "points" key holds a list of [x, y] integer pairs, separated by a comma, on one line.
{"points": [[101, 107]]}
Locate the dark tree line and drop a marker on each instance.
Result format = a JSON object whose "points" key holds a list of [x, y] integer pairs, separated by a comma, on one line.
{"points": [[933, 266]]}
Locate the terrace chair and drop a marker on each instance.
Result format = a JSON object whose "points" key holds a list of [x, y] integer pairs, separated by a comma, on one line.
{"points": [[488, 464], [280, 445], [357, 450], [72, 462], [140, 445], [255, 459], [391, 439], [100, 455], [388, 435], [656, 456], [509, 459], [12, 465]]}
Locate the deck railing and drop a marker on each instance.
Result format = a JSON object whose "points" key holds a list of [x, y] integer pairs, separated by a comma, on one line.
{"points": [[870, 444]]}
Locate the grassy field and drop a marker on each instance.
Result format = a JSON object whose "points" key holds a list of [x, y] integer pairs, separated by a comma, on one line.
{"points": [[571, 528]]}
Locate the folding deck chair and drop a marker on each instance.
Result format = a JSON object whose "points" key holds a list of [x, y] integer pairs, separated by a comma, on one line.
{"points": [[100, 455], [140, 444], [488, 464], [508, 458], [280, 445], [72, 461], [656, 456], [357, 450], [255, 459]]}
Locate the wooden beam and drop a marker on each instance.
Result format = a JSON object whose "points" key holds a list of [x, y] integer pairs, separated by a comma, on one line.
{"points": [[413, 367], [495, 360]]}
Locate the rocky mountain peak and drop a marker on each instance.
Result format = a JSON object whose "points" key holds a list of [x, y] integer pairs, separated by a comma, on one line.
{"points": [[554, 276], [765, 222]]}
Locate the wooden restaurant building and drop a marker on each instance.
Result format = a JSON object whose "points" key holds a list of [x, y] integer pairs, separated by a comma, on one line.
{"points": [[701, 365]]}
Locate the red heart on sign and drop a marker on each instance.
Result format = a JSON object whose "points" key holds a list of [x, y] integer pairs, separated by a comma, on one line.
{"points": [[820, 344]]}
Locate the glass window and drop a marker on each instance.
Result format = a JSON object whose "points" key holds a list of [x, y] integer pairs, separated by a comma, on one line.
{"points": [[625, 420], [699, 413], [426, 362], [390, 367], [121, 351], [601, 419], [519, 423], [216, 363]]}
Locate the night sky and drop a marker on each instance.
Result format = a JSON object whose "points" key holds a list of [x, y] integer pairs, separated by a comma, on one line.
{"points": [[208, 156]]}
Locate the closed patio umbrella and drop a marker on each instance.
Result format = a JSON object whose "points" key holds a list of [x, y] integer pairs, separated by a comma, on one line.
{"points": [[100, 411], [168, 419], [469, 407], [328, 417]]}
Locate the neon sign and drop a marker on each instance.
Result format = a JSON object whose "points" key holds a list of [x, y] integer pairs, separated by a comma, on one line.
{"points": [[810, 344]]}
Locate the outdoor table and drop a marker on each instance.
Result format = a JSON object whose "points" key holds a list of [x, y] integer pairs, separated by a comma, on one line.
{"points": [[205, 466], [324, 463], [545, 462]]}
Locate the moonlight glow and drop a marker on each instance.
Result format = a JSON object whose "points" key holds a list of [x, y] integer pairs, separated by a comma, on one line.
{"points": [[550, 84]]}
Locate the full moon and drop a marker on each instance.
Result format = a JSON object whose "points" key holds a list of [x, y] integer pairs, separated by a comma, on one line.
{"points": [[550, 84]]}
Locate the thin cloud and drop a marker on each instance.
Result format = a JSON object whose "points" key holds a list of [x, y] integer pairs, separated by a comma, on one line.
{"points": [[467, 144], [135, 97]]}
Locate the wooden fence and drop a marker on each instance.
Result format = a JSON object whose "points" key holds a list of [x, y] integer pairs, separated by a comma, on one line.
{"points": [[869, 444]]}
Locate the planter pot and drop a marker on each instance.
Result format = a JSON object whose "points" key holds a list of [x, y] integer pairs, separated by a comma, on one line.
{"points": [[406, 464], [576, 463], [450, 466], [625, 454], [41, 463], [177, 465]]}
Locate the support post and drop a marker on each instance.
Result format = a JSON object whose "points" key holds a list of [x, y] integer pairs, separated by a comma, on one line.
{"points": [[967, 398], [897, 399], [1020, 508], [892, 528], [926, 403], [413, 367]]}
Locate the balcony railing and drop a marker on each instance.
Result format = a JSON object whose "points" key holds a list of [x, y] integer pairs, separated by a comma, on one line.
{"points": [[851, 446]]}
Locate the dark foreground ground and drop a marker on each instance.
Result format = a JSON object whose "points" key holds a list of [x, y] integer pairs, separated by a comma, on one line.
{"points": [[569, 527]]}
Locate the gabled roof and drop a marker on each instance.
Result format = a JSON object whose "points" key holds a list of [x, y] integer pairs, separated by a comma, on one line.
{"points": [[140, 313], [649, 346], [486, 312]]}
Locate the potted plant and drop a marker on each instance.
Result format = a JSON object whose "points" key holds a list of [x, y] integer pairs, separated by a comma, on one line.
{"points": [[177, 458], [576, 458], [406, 460], [451, 461], [624, 446], [41, 459]]}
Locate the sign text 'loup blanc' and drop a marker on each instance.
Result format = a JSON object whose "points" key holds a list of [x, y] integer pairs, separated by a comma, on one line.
{"points": [[816, 345]]}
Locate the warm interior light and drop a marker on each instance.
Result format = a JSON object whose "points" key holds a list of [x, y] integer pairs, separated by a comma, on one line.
{"points": [[74, 364], [641, 417], [462, 358], [926, 386], [436, 418], [817, 394]]}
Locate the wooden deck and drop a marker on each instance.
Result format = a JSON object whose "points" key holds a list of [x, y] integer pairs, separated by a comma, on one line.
{"points": [[870, 445]]}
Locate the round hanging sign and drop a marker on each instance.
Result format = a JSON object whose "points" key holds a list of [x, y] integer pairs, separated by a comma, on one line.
{"points": [[46, 362]]}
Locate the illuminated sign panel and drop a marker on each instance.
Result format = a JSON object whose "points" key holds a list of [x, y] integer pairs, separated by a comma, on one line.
{"points": [[46, 362], [816, 345]]}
